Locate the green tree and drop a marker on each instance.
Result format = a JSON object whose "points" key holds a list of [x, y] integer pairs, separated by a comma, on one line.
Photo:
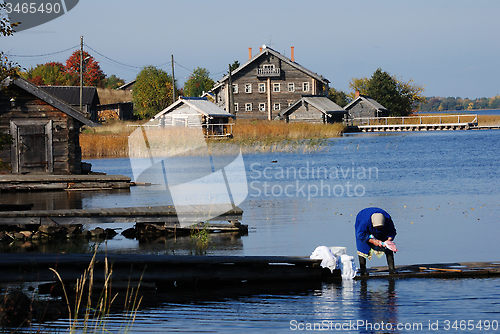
{"points": [[152, 92], [199, 81], [52, 73], [234, 66], [338, 96], [399, 97], [113, 82]]}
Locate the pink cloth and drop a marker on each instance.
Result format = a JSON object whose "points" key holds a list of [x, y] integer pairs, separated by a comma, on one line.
{"points": [[390, 245]]}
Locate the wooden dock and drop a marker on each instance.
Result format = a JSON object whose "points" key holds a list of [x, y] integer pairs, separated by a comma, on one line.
{"points": [[39, 182], [163, 270], [161, 215], [437, 270], [412, 123]]}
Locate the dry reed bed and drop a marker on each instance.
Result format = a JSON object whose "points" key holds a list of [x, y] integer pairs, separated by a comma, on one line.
{"points": [[112, 141]]}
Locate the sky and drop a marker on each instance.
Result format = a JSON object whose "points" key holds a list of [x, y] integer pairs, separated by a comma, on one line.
{"points": [[451, 48]]}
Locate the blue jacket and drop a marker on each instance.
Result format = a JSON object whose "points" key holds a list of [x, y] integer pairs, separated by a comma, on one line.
{"points": [[364, 229]]}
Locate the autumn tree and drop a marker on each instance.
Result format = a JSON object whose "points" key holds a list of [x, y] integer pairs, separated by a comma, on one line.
{"points": [[113, 82], [152, 92], [92, 73], [53, 73], [398, 96], [199, 81]]}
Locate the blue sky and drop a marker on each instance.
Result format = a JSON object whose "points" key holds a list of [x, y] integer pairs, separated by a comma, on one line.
{"points": [[449, 47]]}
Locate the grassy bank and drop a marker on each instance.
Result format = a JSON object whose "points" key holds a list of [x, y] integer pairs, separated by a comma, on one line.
{"points": [[111, 140]]}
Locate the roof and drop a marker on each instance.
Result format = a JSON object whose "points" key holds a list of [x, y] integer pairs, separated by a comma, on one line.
{"points": [[200, 104], [322, 103], [48, 98], [71, 94], [368, 100], [266, 51], [127, 85]]}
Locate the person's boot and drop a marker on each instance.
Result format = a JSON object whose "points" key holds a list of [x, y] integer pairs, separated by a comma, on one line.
{"points": [[362, 266], [390, 262]]}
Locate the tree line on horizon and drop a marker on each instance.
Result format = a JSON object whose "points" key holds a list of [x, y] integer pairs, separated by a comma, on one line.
{"points": [[456, 103]]}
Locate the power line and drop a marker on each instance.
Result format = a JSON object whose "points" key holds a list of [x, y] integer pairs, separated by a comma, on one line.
{"points": [[45, 54]]}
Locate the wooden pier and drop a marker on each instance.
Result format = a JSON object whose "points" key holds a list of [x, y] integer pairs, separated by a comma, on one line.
{"points": [[39, 182], [437, 270], [412, 123], [163, 270], [165, 216]]}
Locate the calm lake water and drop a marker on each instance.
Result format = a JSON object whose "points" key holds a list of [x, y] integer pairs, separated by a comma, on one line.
{"points": [[442, 190]]}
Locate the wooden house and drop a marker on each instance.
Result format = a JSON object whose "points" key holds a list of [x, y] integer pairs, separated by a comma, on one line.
{"points": [[195, 112], [45, 130], [71, 95], [267, 84], [313, 109], [365, 107]]}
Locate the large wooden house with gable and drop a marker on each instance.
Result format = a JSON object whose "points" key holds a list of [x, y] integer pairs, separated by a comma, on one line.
{"points": [[267, 84]]}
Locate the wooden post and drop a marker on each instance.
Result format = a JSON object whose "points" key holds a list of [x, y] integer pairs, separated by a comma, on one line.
{"points": [[81, 74], [230, 106], [173, 80]]}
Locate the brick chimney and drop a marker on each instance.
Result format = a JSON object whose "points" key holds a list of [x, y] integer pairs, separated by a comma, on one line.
{"points": [[260, 49], [357, 93], [249, 53], [292, 57]]}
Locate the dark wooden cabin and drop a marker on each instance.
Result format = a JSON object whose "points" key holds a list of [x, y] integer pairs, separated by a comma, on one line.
{"points": [[365, 107], [45, 130], [71, 95], [313, 109]]}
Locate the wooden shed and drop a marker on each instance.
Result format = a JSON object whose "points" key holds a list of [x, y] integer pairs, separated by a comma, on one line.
{"points": [[196, 112], [71, 95], [363, 107], [45, 130], [313, 109]]}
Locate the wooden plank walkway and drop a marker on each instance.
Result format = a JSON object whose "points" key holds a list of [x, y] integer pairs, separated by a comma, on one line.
{"points": [[162, 269], [31, 182], [164, 215], [438, 270]]}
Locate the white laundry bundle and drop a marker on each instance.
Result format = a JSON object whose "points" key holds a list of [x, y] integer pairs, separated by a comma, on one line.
{"points": [[335, 257]]}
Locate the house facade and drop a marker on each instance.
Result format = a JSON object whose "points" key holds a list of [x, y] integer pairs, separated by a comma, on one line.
{"points": [[45, 130], [267, 84]]}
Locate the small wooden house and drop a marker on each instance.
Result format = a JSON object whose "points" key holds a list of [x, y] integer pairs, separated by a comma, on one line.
{"points": [[195, 112], [365, 107], [45, 130], [313, 109], [119, 110], [71, 95]]}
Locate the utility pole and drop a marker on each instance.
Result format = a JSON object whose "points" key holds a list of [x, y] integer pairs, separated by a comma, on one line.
{"points": [[173, 81], [81, 74]]}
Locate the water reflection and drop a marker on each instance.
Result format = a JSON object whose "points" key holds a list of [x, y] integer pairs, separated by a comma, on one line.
{"points": [[377, 312]]}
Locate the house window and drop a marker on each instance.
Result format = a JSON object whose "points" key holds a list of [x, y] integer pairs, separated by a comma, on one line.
{"points": [[305, 86], [277, 106], [276, 87], [248, 88], [291, 87], [268, 66], [262, 88], [262, 107], [235, 88], [236, 107], [248, 107]]}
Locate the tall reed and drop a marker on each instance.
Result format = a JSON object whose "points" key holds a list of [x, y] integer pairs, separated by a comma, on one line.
{"points": [[94, 316]]}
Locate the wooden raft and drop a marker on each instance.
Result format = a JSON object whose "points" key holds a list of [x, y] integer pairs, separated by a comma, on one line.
{"points": [[438, 270], [164, 215], [162, 269]]}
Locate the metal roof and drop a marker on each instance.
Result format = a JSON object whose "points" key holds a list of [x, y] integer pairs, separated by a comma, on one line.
{"points": [[71, 94], [200, 104]]}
